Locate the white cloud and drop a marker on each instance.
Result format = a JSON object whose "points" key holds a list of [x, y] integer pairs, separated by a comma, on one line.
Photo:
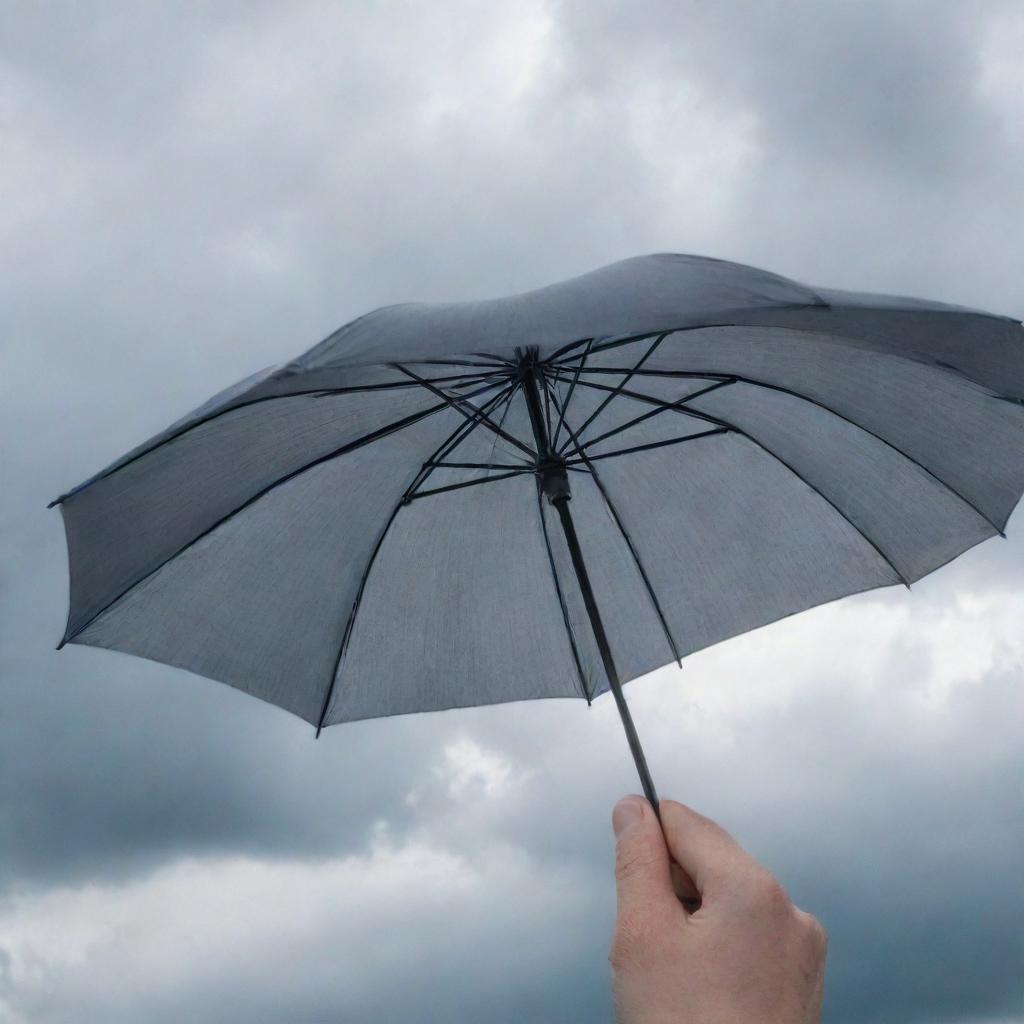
{"points": [[1001, 79], [499, 887], [237, 933], [468, 766]]}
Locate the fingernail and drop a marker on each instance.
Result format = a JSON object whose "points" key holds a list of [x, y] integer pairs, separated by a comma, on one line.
{"points": [[628, 811]]}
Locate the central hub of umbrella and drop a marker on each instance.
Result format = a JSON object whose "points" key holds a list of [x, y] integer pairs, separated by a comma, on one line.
{"points": [[550, 465], [554, 479]]}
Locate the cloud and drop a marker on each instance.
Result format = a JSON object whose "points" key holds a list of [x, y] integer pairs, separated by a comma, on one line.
{"points": [[487, 888], [229, 939]]}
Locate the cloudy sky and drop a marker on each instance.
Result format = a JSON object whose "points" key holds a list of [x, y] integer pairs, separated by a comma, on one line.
{"points": [[190, 192]]}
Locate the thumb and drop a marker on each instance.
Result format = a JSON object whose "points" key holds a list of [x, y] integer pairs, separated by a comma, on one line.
{"points": [[642, 874]]}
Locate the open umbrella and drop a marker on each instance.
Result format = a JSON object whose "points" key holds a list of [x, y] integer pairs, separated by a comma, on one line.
{"points": [[444, 505]]}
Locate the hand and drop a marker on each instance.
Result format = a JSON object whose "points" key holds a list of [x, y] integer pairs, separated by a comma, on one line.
{"points": [[746, 956]]}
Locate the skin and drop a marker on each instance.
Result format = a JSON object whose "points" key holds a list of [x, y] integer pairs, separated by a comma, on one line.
{"points": [[711, 938]]}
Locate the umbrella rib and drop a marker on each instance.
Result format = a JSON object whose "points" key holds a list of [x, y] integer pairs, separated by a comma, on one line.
{"points": [[317, 392], [474, 378], [632, 339], [568, 397], [515, 470], [680, 374], [825, 408], [324, 707], [655, 412], [366, 439], [685, 374], [507, 363], [454, 403], [561, 352], [457, 362], [507, 404], [618, 389], [744, 321], [650, 445], [602, 346], [561, 595], [480, 465], [628, 539], [469, 483], [738, 430], [547, 413], [453, 440]]}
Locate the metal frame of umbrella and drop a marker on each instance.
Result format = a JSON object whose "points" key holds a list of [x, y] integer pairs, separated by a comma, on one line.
{"points": [[552, 463], [971, 360]]}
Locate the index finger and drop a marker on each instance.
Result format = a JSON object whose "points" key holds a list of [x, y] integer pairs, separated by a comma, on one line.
{"points": [[705, 851]]}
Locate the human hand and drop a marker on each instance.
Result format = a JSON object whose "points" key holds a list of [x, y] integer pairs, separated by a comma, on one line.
{"points": [[746, 956]]}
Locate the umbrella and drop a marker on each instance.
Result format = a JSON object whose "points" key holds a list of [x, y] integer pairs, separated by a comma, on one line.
{"points": [[548, 495]]}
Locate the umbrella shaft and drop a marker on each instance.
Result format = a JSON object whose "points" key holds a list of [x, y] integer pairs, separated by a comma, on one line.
{"points": [[555, 484], [583, 578]]}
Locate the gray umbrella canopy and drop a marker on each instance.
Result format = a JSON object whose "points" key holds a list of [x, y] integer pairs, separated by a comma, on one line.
{"points": [[444, 505]]}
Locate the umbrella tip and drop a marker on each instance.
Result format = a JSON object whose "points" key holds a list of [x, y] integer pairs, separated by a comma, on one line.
{"points": [[319, 729], [61, 644], [56, 501]]}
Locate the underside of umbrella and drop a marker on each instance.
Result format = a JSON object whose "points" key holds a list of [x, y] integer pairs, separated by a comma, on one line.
{"points": [[546, 495]]}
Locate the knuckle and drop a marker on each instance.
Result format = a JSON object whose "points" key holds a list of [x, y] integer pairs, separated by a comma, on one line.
{"points": [[811, 929], [815, 932]]}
